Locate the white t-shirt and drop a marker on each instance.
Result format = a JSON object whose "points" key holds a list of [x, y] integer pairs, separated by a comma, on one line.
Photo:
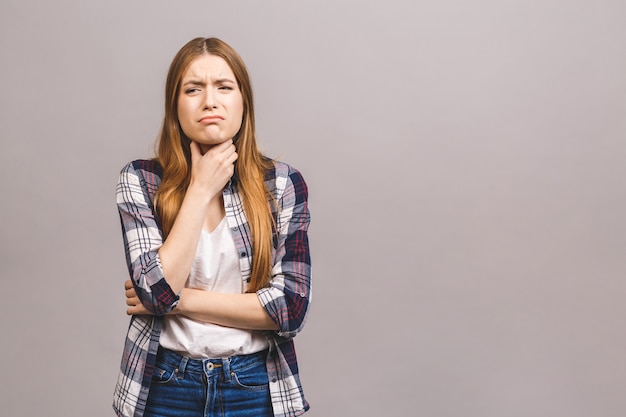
{"points": [[215, 268]]}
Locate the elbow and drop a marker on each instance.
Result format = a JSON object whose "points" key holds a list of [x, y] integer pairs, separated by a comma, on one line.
{"points": [[153, 290], [288, 310], [290, 330], [296, 317]]}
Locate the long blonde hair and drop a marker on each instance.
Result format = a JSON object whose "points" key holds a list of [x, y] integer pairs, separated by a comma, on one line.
{"points": [[174, 156]]}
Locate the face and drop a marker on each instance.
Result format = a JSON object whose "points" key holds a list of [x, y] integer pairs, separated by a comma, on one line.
{"points": [[210, 104]]}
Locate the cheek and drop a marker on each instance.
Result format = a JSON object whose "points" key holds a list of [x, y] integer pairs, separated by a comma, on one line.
{"points": [[181, 110], [239, 112], [183, 114]]}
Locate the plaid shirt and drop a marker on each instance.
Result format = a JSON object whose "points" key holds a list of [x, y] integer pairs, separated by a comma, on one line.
{"points": [[286, 300]]}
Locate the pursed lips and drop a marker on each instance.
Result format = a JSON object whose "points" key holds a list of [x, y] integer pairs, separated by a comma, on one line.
{"points": [[210, 119]]}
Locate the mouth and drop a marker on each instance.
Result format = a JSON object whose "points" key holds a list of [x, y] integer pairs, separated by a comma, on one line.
{"points": [[210, 119]]}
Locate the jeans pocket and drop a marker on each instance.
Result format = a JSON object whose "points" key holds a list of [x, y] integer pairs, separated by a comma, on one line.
{"points": [[164, 374], [251, 379]]}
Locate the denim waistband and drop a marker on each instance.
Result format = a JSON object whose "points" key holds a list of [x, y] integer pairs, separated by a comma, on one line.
{"points": [[234, 363]]}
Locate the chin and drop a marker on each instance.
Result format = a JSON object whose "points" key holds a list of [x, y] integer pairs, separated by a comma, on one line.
{"points": [[210, 141]]}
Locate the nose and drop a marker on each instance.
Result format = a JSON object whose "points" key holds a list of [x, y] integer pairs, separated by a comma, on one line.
{"points": [[210, 99]]}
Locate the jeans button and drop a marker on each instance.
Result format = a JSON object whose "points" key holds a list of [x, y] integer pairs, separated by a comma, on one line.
{"points": [[209, 366]]}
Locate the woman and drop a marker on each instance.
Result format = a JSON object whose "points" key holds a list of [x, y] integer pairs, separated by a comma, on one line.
{"points": [[217, 249]]}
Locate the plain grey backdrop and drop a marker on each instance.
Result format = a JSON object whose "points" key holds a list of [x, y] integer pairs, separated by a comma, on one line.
{"points": [[466, 163]]}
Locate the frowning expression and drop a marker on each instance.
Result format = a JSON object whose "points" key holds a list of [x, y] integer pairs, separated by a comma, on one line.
{"points": [[210, 104]]}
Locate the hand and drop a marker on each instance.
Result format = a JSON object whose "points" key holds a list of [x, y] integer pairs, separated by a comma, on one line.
{"points": [[212, 170], [135, 306]]}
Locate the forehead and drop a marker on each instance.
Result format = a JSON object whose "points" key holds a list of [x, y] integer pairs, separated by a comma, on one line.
{"points": [[207, 67]]}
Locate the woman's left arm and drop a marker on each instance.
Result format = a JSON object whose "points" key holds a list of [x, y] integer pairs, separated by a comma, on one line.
{"points": [[243, 311], [284, 305], [287, 299]]}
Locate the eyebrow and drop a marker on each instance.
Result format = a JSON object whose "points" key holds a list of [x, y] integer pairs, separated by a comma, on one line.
{"points": [[203, 83], [224, 80]]}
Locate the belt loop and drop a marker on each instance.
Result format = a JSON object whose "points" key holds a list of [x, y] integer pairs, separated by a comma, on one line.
{"points": [[226, 369], [181, 368]]}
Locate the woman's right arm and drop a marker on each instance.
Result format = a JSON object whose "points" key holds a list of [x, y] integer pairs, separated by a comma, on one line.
{"points": [[142, 236], [160, 269]]}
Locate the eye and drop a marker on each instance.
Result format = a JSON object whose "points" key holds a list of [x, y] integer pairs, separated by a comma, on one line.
{"points": [[225, 88], [192, 90]]}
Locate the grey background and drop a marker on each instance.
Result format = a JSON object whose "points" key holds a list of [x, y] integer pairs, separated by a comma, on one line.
{"points": [[466, 163]]}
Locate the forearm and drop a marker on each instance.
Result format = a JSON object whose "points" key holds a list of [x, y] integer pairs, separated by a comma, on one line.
{"points": [[242, 311], [179, 249], [203, 201]]}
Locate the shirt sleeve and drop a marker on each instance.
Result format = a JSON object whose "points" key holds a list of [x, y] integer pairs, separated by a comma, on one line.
{"points": [[287, 298], [143, 238]]}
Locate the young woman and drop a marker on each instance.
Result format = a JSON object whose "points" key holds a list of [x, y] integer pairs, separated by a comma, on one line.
{"points": [[217, 250]]}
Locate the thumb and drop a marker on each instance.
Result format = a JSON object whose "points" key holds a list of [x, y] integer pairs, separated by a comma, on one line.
{"points": [[195, 151]]}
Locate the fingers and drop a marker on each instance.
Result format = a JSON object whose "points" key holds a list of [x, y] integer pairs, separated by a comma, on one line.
{"points": [[231, 154], [132, 300], [224, 145], [225, 153], [223, 150], [131, 295]]}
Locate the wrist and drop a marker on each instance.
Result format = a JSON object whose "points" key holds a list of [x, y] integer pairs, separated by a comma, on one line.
{"points": [[180, 307], [200, 192]]}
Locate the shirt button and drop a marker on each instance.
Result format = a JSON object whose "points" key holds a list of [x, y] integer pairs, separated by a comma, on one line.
{"points": [[243, 254]]}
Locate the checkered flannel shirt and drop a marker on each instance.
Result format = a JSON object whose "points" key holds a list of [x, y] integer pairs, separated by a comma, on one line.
{"points": [[286, 300]]}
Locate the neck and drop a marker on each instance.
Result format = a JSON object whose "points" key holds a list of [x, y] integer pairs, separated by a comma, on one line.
{"points": [[205, 148]]}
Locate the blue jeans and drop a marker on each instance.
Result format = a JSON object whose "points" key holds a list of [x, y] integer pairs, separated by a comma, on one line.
{"points": [[232, 387]]}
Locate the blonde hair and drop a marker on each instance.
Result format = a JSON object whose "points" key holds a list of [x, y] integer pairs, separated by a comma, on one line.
{"points": [[174, 156]]}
